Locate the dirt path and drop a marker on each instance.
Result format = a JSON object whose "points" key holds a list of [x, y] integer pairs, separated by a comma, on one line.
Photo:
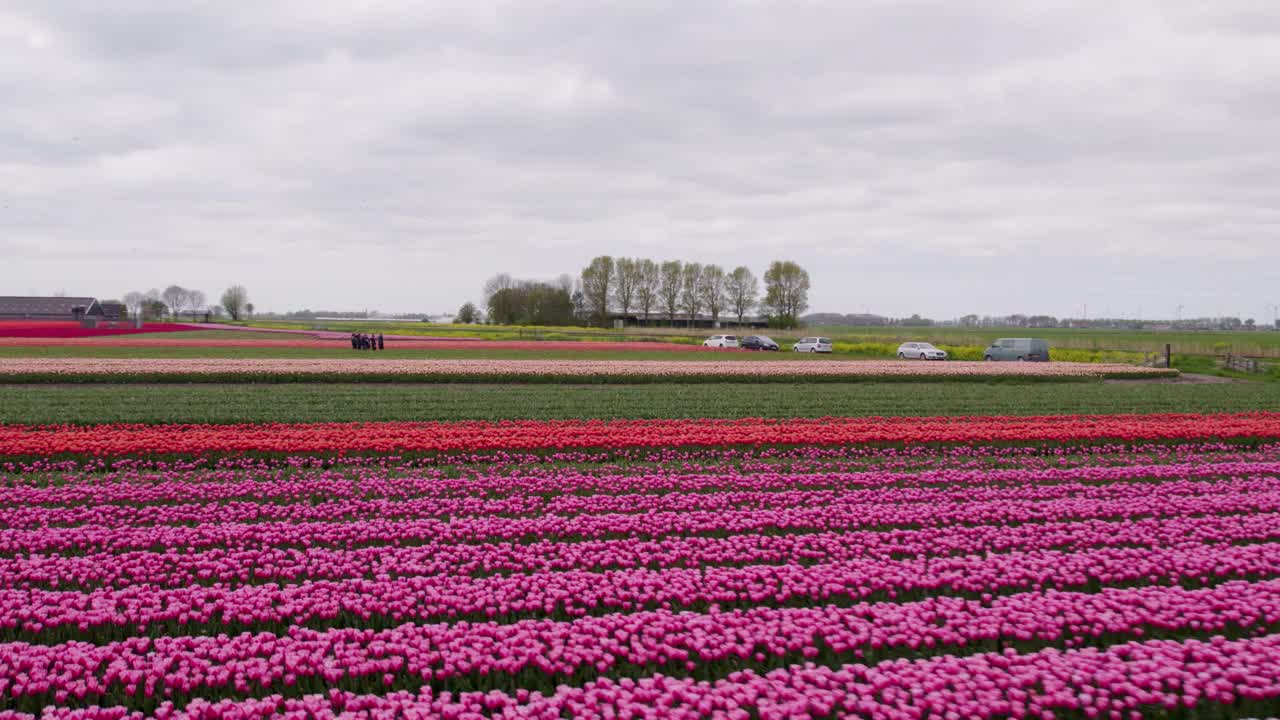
{"points": [[1183, 379]]}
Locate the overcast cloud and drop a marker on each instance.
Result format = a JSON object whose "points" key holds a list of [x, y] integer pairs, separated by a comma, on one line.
{"points": [[925, 156]]}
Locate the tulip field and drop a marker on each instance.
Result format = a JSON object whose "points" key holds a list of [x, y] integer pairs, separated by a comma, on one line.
{"points": [[43, 330], [97, 369], [1055, 566]]}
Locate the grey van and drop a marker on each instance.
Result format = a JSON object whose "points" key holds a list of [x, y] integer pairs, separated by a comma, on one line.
{"points": [[1028, 349]]}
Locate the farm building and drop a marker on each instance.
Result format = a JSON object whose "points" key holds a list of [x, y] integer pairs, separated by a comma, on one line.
{"points": [[14, 307], [620, 320], [114, 311]]}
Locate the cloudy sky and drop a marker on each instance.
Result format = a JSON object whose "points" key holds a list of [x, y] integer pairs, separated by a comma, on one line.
{"points": [[925, 156]]}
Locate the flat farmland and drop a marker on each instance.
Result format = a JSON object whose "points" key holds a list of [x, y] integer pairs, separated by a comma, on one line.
{"points": [[1260, 343], [206, 526]]}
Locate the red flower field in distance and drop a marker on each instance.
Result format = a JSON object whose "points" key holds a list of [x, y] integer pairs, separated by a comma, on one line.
{"points": [[125, 439], [67, 329]]}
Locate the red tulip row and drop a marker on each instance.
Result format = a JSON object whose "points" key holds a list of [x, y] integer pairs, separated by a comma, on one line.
{"points": [[490, 655], [71, 329], [536, 435]]}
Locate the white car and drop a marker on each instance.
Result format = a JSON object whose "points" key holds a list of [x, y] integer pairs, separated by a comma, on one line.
{"points": [[920, 351], [721, 341], [812, 345]]}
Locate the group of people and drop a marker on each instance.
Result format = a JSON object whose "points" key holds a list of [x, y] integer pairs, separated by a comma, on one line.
{"points": [[360, 341]]}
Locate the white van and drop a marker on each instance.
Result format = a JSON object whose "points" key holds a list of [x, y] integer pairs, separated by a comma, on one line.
{"points": [[812, 345], [1025, 349]]}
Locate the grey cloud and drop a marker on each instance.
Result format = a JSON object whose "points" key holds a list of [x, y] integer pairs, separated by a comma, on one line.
{"points": [[989, 156]]}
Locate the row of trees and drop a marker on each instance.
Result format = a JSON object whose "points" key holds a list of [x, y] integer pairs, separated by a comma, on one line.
{"points": [[689, 288], [172, 301], [175, 300], [672, 289], [525, 302]]}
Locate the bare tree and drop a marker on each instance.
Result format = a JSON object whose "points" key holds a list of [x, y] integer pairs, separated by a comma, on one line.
{"points": [[626, 283], [648, 279], [175, 296], [579, 303], [501, 281], [196, 301], [234, 299], [248, 307], [670, 282], [742, 289], [597, 285], [690, 292], [786, 291], [133, 301], [711, 285], [153, 307]]}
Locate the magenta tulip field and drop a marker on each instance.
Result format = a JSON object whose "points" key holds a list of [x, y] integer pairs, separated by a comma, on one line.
{"points": [[1118, 572]]}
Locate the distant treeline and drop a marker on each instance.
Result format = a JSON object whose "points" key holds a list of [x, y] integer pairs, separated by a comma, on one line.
{"points": [[673, 291], [1028, 321], [345, 315]]}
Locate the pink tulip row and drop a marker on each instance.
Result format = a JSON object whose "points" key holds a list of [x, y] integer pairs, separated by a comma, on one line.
{"points": [[508, 472], [574, 491], [122, 611], [866, 516], [558, 490], [1214, 676], [250, 564], [569, 368], [898, 498], [643, 642], [377, 575]]}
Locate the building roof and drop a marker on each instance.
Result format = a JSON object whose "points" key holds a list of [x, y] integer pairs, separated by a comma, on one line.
{"points": [[700, 317], [20, 305], [113, 310]]}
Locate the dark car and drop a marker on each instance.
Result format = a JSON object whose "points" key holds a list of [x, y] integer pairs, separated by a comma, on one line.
{"points": [[757, 342]]}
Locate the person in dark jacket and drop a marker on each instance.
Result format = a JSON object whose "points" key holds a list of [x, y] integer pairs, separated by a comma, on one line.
{"points": [[381, 344], [355, 342]]}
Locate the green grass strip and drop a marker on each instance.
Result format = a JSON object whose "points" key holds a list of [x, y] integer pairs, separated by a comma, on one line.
{"points": [[212, 403]]}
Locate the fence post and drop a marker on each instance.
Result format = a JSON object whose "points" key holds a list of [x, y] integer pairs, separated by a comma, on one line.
{"points": [[1167, 353]]}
